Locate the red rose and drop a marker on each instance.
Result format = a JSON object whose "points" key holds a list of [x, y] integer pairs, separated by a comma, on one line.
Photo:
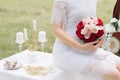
{"points": [[79, 35], [100, 33], [80, 25], [92, 38], [100, 22]]}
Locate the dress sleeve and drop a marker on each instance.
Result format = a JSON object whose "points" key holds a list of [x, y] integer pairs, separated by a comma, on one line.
{"points": [[59, 12]]}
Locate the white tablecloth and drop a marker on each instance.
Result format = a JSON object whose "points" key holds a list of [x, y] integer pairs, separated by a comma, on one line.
{"points": [[28, 58], [35, 58]]}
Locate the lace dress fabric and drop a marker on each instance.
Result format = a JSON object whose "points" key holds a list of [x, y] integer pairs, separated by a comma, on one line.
{"points": [[59, 12], [92, 66]]}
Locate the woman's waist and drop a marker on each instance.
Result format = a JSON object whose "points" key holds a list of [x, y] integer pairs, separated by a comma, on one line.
{"points": [[71, 31], [59, 47]]}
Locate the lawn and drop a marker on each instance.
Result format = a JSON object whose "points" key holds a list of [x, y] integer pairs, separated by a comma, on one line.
{"points": [[18, 14]]}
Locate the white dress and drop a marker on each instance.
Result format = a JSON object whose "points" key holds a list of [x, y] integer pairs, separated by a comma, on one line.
{"points": [[91, 65]]}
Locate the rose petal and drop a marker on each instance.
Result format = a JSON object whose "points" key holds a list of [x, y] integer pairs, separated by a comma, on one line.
{"points": [[100, 33], [100, 22], [92, 38], [79, 35], [80, 25]]}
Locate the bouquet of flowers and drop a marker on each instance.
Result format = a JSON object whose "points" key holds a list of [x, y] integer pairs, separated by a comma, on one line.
{"points": [[90, 29]]}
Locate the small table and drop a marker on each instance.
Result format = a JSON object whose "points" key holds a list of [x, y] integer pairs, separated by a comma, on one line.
{"points": [[39, 58]]}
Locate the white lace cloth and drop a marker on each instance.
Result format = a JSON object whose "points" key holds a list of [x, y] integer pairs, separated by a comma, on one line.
{"points": [[67, 13]]}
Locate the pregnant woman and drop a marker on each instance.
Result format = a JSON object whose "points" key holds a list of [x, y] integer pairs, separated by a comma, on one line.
{"points": [[71, 53]]}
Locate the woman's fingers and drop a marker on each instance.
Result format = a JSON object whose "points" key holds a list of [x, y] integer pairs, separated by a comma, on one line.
{"points": [[92, 46], [100, 43]]}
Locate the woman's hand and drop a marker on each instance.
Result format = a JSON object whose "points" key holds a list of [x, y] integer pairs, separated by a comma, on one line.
{"points": [[92, 46]]}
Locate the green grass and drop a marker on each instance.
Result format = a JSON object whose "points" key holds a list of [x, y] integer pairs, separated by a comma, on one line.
{"points": [[18, 14], [105, 9]]}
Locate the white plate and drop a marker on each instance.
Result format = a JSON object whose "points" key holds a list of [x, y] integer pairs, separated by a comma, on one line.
{"points": [[12, 65], [114, 45]]}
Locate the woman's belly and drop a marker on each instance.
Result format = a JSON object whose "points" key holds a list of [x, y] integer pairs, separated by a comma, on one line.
{"points": [[60, 46]]}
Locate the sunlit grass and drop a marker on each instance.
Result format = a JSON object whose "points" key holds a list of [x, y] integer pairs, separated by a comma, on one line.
{"points": [[105, 9]]}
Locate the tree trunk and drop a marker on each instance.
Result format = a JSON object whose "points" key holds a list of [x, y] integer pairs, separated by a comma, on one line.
{"points": [[116, 11]]}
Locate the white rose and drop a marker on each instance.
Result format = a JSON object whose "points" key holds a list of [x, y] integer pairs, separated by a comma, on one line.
{"points": [[83, 31], [109, 28], [113, 20], [87, 36], [95, 29], [119, 23]]}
